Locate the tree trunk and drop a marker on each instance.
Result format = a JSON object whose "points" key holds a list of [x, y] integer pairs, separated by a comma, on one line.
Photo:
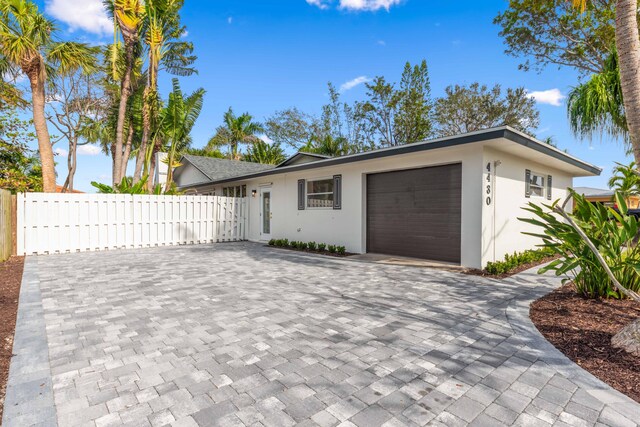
{"points": [[37, 79], [71, 166], [628, 46], [127, 151], [125, 92]]}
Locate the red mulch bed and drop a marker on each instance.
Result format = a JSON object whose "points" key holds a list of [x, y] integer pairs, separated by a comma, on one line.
{"points": [[582, 329], [10, 279]]}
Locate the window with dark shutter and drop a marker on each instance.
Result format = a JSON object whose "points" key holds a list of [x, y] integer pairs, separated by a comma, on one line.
{"points": [[549, 187], [337, 192], [527, 183], [301, 198]]}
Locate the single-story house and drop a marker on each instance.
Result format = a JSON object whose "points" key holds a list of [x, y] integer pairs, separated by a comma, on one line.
{"points": [[455, 199], [598, 195]]}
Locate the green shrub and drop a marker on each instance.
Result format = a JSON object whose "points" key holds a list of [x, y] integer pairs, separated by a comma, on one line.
{"points": [[332, 249], [312, 246], [511, 262], [272, 242], [341, 250], [293, 244], [322, 247], [285, 243], [302, 246], [611, 231]]}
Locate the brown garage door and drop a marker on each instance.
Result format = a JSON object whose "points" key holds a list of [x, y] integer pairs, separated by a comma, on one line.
{"points": [[415, 213]]}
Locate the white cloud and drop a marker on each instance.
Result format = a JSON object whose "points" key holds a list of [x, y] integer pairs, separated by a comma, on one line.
{"points": [[61, 152], [369, 5], [353, 83], [266, 139], [89, 150], [87, 15], [230, 20], [551, 97], [381, 43], [322, 4], [357, 5], [184, 34]]}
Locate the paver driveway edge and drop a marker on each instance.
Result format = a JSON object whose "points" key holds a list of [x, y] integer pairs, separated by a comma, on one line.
{"points": [[29, 398], [518, 316]]}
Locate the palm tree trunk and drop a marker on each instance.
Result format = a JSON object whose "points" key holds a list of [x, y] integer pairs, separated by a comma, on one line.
{"points": [[71, 166], [628, 46], [125, 92], [146, 126], [127, 151], [36, 78]]}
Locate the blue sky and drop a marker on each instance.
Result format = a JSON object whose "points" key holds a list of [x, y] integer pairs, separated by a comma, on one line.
{"points": [[265, 55]]}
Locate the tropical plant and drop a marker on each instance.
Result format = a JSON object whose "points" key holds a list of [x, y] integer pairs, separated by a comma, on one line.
{"points": [[518, 259], [28, 41], [570, 236], [162, 36], [127, 186], [625, 180], [177, 119], [127, 17], [19, 166], [236, 130], [595, 107], [261, 152], [204, 152], [328, 146]]}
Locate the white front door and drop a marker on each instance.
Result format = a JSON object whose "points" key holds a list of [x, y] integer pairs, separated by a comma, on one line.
{"points": [[265, 213]]}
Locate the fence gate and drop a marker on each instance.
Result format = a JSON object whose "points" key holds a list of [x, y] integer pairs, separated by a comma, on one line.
{"points": [[58, 223]]}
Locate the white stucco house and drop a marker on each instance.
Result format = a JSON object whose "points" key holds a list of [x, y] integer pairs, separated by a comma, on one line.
{"points": [[454, 199]]}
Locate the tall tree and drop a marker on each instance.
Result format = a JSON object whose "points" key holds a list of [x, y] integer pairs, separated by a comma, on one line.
{"points": [[77, 98], [400, 115], [474, 107], [128, 17], [19, 166], [261, 152], [236, 130], [177, 119], [291, 127], [554, 32], [165, 50], [28, 41]]}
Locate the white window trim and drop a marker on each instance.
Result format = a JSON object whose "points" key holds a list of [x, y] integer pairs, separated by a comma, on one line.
{"points": [[306, 194], [543, 186]]}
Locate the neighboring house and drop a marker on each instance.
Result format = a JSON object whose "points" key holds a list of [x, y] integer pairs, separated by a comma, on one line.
{"points": [[60, 187], [454, 199], [161, 169], [598, 195]]}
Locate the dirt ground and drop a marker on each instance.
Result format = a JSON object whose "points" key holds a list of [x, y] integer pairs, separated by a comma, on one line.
{"points": [[10, 279]]}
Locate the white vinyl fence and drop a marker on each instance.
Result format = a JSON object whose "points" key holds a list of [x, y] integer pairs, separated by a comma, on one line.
{"points": [[58, 223]]}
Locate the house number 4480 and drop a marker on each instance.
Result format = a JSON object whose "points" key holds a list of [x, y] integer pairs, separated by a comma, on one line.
{"points": [[488, 185]]}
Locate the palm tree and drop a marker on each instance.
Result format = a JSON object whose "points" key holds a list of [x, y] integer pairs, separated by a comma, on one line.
{"points": [[178, 118], [127, 17], [628, 48], [236, 130], [261, 152], [625, 180], [596, 106], [27, 41], [162, 31], [328, 145]]}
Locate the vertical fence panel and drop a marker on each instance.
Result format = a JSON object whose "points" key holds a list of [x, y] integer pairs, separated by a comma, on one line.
{"points": [[59, 223]]}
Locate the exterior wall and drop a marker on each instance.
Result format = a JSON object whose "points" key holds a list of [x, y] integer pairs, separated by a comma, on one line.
{"points": [[189, 175], [501, 229], [347, 226]]}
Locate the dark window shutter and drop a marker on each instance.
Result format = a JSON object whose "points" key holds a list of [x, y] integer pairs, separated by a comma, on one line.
{"points": [[527, 183], [549, 186], [337, 192], [301, 194]]}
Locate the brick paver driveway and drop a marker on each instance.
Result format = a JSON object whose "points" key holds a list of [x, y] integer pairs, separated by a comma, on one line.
{"points": [[240, 334]]}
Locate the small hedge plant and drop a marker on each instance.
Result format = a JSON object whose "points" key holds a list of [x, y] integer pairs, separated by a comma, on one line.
{"points": [[311, 246], [512, 262]]}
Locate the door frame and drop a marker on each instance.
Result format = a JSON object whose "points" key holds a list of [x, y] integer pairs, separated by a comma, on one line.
{"points": [[266, 189]]}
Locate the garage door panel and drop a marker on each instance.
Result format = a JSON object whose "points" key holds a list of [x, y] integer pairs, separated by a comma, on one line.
{"points": [[416, 212]]}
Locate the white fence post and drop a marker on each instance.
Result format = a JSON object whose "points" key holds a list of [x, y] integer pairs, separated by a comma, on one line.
{"points": [[58, 223]]}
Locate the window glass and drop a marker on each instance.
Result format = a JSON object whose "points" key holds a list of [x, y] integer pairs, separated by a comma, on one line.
{"points": [[536, 183], [320, 193]]}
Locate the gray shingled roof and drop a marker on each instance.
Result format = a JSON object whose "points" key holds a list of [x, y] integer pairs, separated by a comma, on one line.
{"points": [[595, 192], [217, 169]]}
